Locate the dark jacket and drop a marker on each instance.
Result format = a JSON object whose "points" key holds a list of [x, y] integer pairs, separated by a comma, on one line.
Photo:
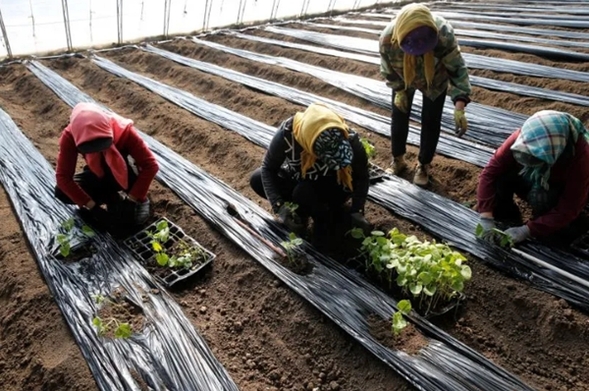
{"points": [[284, 158]]}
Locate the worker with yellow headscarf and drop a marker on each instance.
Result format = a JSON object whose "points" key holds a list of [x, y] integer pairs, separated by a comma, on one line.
{"points": [[315, 163], [418, 50]]}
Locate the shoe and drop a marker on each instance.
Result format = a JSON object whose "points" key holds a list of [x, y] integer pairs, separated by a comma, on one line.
{"points": [[398, 165], [421, 178]]}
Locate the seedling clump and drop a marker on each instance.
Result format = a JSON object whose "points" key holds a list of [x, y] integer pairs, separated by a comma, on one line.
{"points": [[429, 272], [290, 246], [368, 147], [111, 324], [184, 255], [398, 321], [64, 239], [499, 237]]}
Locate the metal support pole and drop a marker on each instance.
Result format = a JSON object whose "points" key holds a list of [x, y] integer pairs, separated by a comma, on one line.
{"points": [[120, 21], [208, 8], [356, 4], [275, 6], [167, 7], [5, 36], [66, 22]]}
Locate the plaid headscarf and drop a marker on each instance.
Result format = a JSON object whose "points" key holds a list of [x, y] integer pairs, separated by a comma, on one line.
{"points": [[333, 149], [542, 140]]}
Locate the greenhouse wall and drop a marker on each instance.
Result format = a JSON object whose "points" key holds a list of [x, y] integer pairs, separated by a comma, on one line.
{"points": [[41, 26]]}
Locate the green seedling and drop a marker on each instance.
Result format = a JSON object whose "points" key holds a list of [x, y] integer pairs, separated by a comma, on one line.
{"points": [[398, 321], [290, 246], [121, 329], [498, 237], [64, 239], [427, 271], [368, 147]]}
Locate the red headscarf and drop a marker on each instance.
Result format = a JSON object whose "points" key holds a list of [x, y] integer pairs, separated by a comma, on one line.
{"points": [[89, 122]]}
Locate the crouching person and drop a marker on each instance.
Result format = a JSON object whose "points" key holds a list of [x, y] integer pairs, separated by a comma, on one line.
{"points": [[546, 164], [317, 163], [107, 143]]}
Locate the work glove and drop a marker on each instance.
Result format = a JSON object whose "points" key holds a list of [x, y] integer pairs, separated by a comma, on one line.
{"points": [[292, 221], [359, 221], [401, 101], [97, 217], [461, 122], [518, 234], [488, 224]]}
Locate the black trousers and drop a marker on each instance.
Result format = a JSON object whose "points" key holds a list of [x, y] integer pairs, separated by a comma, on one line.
{"points": [[507, 211], [431, 121], [102, 190]]}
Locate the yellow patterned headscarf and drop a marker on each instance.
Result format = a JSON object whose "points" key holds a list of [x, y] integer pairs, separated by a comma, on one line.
{"points": [[408, 19], [308, 125]]}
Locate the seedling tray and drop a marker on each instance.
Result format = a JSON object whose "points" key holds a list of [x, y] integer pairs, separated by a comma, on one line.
{"points": [[375, 173], [141, 245]]}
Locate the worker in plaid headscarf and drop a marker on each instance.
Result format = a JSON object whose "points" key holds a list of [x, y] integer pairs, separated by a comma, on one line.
{"points": [[316, 162], [546, 164]]}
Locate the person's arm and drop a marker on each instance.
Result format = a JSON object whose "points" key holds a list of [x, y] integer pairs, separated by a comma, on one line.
{"points": [[460, 88], [571, 202], [394, 81], [145, 162], [67, 158], [501, 162], [360, 175], [273, 160]]}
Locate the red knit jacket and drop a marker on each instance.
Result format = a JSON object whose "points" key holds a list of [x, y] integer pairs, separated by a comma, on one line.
{"points": [[572, 172], [129, 144]]}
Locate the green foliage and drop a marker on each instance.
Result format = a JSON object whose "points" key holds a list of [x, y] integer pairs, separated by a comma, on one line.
{"points": [[186, 255], [428, 271], [121, 329], [498, 237], [64, 239], [292, 207], [398, 321], [291, 245], [368, 147]]}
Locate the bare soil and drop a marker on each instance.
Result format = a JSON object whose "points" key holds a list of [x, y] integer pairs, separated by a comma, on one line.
{"points": [[266, 336]]}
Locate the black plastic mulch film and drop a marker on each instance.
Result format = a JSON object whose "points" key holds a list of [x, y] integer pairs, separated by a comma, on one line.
{"points": [[448, 145], [448, 219], [487, 125], [444, 364], [168, 354], [484, 82], [475, 61], [565, 21]]}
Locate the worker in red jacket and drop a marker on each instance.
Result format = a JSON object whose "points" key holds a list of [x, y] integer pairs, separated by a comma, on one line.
{"points": [[546, 164], [106, 141]]}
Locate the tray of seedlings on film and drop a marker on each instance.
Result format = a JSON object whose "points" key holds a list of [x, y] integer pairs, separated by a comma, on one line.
{"points": [[430, 275], [168, 253]]}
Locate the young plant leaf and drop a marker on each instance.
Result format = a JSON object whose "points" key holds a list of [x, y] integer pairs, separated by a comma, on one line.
{"points": [[479, 230], [68, 224], [86, 230], [65, 249], [404, 306], [162, 259], [357, 233], [466, 272], [157, 247], [123, 331]]}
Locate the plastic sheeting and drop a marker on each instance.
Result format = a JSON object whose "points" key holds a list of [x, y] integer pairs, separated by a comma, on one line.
{"points": [[369, 46], [568, 22], [448, 145], [471, 33], [428, 209], [472, 60], [483, 26], [487, 125], [169, 353], [444, 364]]}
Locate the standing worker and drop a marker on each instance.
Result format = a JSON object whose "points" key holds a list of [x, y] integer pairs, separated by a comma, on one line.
{"points": [[106, 141], [546, 164], [418, 50], [317, 163]]}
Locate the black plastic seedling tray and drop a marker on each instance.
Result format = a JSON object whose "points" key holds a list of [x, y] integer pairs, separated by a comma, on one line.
{"points": [[141, 245], [375, 173]]}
